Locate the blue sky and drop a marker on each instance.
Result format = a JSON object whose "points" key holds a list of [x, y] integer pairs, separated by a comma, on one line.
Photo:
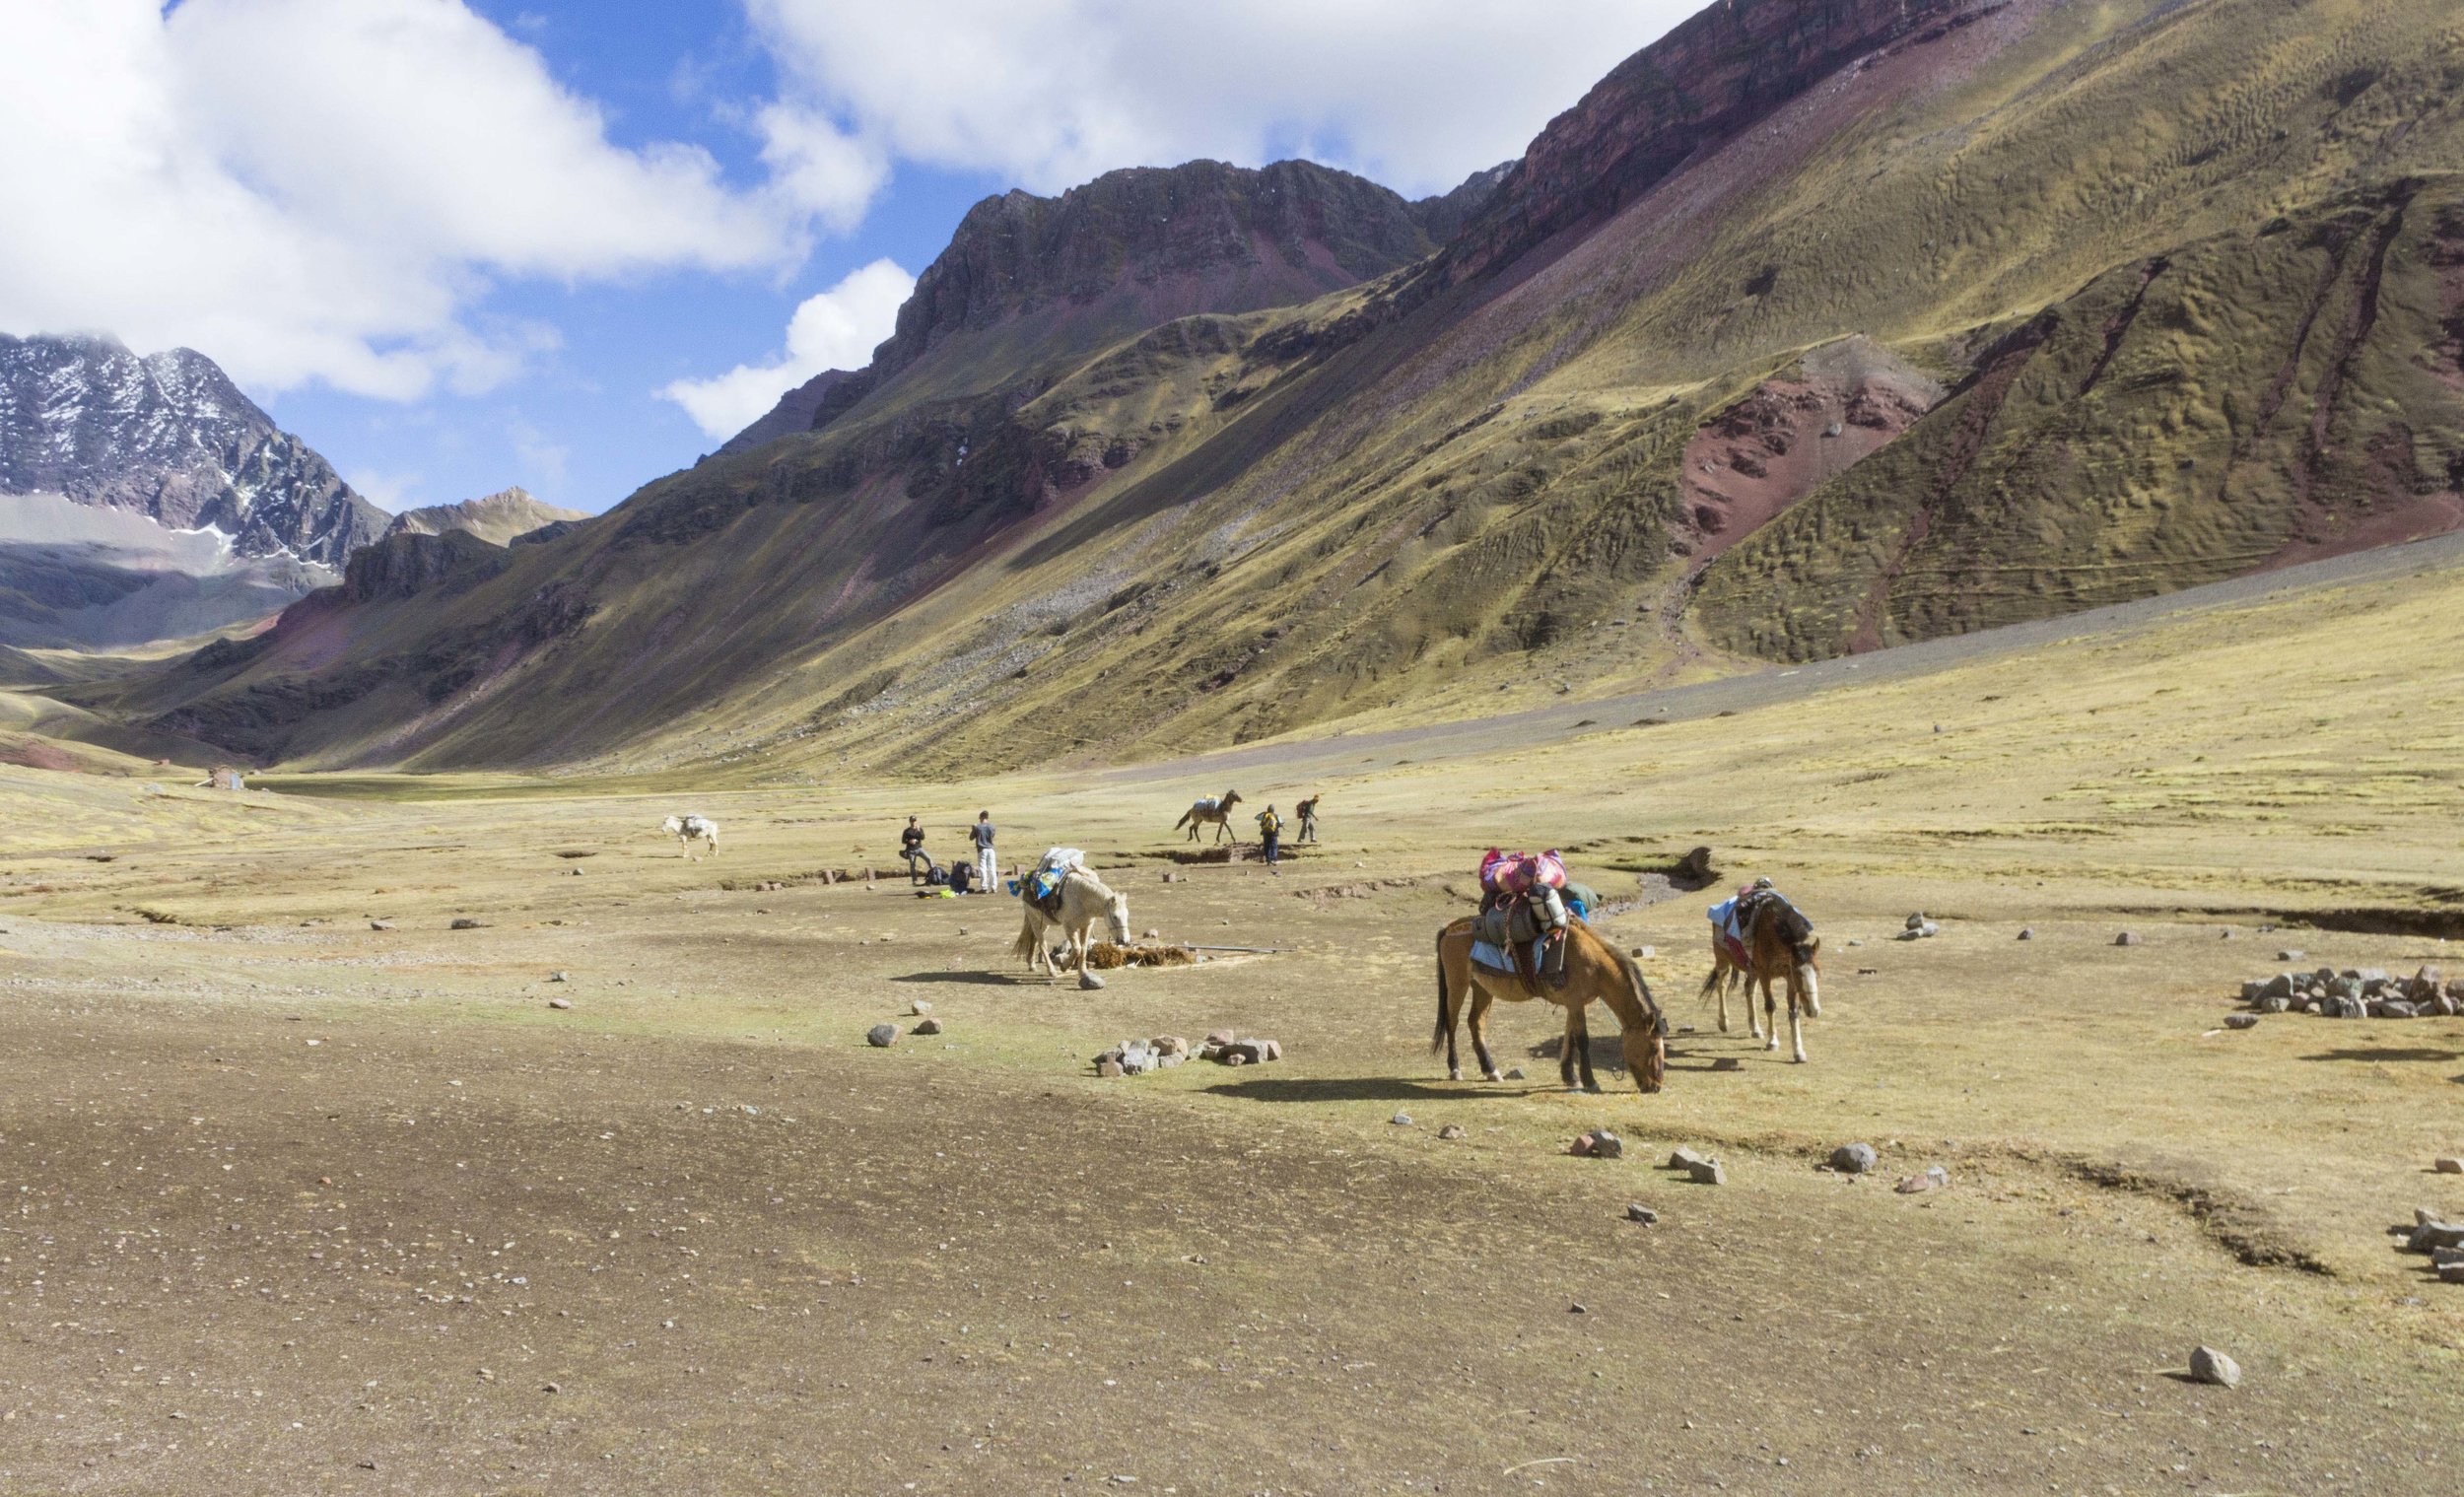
{"points": [[457, 244]]}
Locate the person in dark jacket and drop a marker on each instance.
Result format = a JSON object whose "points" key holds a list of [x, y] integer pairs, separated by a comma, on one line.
{"points": [[911, 848], [988, 877]]}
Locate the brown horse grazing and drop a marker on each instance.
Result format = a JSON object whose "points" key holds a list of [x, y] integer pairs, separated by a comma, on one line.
{"points": [[1779, 942], [1595, 970], [1216, 812]]}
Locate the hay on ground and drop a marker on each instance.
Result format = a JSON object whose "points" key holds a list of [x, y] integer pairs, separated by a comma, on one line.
{"points": [[1105, 956]]}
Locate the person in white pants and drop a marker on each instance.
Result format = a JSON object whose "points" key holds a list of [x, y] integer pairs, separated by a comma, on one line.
{"points": [[991, 879]]}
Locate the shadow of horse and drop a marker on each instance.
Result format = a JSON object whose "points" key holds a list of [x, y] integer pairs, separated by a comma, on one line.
{"points": [[978, 978], [1358, 1089]]}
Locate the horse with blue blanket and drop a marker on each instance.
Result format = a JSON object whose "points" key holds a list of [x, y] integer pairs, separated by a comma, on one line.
{"points": [[1754, 937]]}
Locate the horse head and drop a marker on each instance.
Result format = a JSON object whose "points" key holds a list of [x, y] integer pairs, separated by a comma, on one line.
{"points": [[1230, 799], [673, 826], [1647, 1044], [1116, 911]]}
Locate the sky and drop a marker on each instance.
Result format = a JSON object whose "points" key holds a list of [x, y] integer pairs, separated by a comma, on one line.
{"points": [[573, 244]]}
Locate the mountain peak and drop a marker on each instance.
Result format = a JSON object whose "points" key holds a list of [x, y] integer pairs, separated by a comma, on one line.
{"points": [[499, 519], [168, 435]]}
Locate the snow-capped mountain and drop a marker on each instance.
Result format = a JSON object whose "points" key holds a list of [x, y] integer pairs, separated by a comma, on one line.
{"points": [[168, 435]]}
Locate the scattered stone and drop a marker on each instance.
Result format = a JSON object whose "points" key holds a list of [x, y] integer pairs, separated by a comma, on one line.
{"points": [[1400, 1120], [1645, 951], [381, 925], [1108, 1069], [1152, 935], [1683, 1159], [1452, 1131], [1856, 941], [560, 1003], [464, 923], [1598, 1144], [1854, 1158], [2435, 1234], [1707, 1171], [2241, 1021], [881, 1036], [2027, 933], [1514, 1072], [1089, 981], [1918, 922], [1170, 877], [2127, 938], [550, 1388], [2447, 1165], [1934, 1179], [2289, 956], [1641, 1216], [560, 976], [927, 1027], [2210, 1366], [1728, 1063], [919, 1008]]}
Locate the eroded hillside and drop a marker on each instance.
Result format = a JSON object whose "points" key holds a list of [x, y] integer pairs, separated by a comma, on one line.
{"points": [[1813, 327]]}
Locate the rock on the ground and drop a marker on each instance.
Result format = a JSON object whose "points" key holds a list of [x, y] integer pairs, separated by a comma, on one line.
{"points": [[560, 1003], [1728, 1063], [2127, 938], [1089, 981], [1108, 1069], [2447, 1165], [1641, 1216], [1917, 921], [1600, 1143], [560, 976], [2289, 955], [381, 925], [1683, 1159], [1452, 1131], [464, 923], [1854, 1158], [1707, 1171], [2209, 1365], [2241, 1021], [881, 1036], [927, 1027], [2028, 932], [1400, 1120], [920, 1009]]}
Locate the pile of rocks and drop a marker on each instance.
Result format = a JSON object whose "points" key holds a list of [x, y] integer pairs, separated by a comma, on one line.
{"points": [[1225, 1048], [1919, 929], [2357, 994], [1136, 1058], [2443, 1240], [1599, 1143]]}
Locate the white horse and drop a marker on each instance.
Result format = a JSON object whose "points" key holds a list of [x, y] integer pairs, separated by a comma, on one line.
{"points": [[690, 828], [1084, 900]]}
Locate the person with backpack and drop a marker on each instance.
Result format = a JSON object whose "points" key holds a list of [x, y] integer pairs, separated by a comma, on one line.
{"points": [[1270, 833], [988, 876], [1307, 821], [911, 848]]}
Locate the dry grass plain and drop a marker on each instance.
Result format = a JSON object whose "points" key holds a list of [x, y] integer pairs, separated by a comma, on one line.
{"points": [[294, 1204]]}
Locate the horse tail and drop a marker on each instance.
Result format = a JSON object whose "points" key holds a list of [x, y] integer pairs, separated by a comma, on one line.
{"points": [[1025, 949], [1184, 818], [1437, 1040]]}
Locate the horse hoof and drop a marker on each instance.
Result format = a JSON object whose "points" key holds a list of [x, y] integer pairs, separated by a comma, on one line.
{"points": [[1455, 1074], [1493, 1075], [1775, 1042], [1801, 1057]]}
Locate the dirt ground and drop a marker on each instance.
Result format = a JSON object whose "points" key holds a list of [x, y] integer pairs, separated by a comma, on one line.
{"points": [[297, 1204]]}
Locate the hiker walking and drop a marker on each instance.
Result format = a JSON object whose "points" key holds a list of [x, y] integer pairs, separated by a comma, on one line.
{"points": [[1271, 832], [911, 848], [988, 877], [1307, 821]]}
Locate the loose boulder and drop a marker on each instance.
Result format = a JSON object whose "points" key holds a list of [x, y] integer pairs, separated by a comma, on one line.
{"points": [[881, 1036], [1854, 1159], [2210, 1366]]}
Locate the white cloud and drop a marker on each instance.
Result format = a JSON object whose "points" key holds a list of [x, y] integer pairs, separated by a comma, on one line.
{"points": [[310, 189], [835, 329], [390, 492], [1417, 94]]}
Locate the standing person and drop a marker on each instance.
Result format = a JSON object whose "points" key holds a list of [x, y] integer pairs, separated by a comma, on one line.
{"points": [[1308, 820], [911, 848], [1271, 832], [988, 877]]}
